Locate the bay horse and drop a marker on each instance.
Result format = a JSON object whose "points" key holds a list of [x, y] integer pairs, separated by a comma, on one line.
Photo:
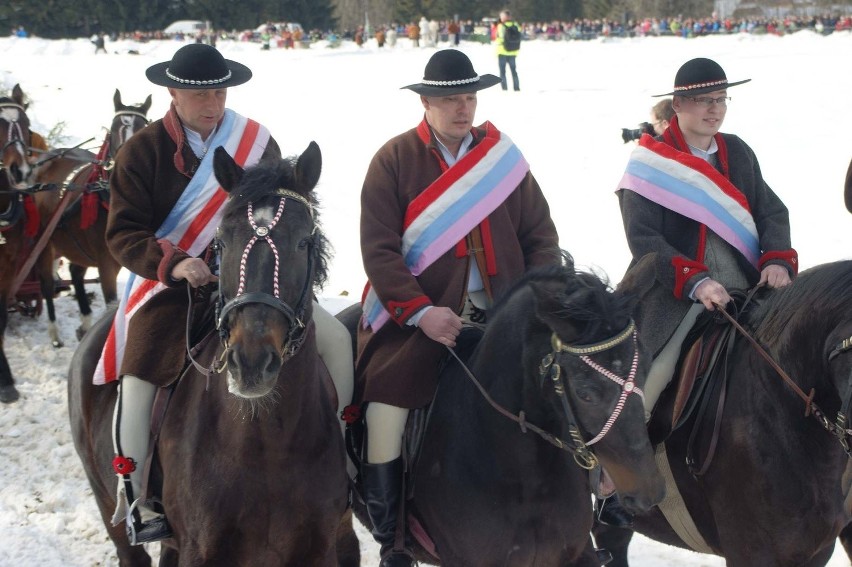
{"points": [[559, 353], [18, 219], [80, 235], [775, 493], [251, 458]]}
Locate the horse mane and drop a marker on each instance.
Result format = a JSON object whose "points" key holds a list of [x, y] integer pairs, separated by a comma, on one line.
{"points": [[583, 297], [261, 181], [822, 294]]}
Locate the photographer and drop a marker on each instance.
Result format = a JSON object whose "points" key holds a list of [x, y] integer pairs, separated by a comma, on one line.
{"points": [[661, 115]]}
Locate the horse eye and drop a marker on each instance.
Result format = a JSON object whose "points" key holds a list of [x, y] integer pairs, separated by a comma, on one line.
{"points": [[303, 243]]}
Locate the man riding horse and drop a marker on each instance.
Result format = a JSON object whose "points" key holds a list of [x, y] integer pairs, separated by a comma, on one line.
{"points": [[166, 205], [696, 199], [450, 217]]}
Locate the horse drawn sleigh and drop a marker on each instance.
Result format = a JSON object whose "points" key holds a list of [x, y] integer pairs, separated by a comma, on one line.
{"points": [[53, 203]]}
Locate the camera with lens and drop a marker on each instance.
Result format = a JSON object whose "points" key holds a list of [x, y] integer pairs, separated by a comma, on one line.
{"points": [[629, 135]]}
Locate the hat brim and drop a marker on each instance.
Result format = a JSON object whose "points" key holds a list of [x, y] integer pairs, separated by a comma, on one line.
{"points": [[702, 90], [239, 74], [484, 82]]}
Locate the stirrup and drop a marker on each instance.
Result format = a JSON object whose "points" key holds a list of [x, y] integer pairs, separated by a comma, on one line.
{"points": [[139, 532], [610, 512]]}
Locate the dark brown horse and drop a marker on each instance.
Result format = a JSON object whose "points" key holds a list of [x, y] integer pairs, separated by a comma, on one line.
{"points": [[83, 179], [560, 350], [251, 458], [774, 493], [18, 220]]}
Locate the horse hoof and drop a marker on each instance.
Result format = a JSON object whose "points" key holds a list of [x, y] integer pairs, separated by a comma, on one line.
{"points": [[9, 394], [57, 344], [80, 332]]}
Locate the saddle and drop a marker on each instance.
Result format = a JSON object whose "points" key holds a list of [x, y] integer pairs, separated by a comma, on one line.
{"points": [[696, 396]]}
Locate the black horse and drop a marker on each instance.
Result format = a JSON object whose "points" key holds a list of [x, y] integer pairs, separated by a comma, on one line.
{"points": [[560, 350], [252, 462], [774, 493]]}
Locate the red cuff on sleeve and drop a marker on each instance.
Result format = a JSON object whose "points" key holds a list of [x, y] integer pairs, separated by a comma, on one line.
{"points": [[164, 269], [789, 257], [684, 270], [400, 311]]}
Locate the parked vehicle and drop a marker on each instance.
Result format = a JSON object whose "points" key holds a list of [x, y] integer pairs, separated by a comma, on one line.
{"points": [[186, 27]]}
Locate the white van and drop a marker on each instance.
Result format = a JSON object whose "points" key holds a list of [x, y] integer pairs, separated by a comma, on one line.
{"points": [[186, 26]]}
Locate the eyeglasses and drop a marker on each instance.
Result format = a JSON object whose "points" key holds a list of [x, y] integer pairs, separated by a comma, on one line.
{"points": [[708, 101]]}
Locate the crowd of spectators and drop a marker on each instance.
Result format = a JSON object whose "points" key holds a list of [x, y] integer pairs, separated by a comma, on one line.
{"points": [[430, 32]]}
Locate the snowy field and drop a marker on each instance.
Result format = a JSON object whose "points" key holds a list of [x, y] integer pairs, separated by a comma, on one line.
{"points": [[567, 120]]}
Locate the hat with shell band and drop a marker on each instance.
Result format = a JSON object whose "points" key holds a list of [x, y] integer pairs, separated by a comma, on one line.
{"points": [[198, 66], [450, 72], [699, 76]]}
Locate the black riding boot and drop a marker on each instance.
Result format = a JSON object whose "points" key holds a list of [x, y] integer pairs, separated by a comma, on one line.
{"points": [[382, 492], [609, 511]]}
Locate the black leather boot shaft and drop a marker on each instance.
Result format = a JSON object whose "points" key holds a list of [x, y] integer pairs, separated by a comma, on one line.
{"points": [[382, 493]]}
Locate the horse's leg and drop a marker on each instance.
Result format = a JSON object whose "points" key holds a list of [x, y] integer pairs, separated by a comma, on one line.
{"points": [[845, 538], [169, 557], [78, 273], [8, 393], [615, 540], [108, 270], [48, 289], [348, 548]]}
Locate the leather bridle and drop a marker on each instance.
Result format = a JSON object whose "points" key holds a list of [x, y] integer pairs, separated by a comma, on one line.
{"points": [[294, 315], [550, 367]]}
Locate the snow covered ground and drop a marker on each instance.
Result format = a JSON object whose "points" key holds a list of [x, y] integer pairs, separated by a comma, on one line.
{"points": [[575, 98]]}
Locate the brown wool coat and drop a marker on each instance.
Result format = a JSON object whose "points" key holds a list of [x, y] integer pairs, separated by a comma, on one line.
{"points": [[145, 185], [398, 365]]}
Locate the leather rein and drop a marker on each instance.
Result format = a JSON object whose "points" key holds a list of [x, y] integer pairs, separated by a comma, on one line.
{"points": [[549, 366], [839, 428]]}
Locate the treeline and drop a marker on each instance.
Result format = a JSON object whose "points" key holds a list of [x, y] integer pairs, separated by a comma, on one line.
{"points": [[75, 18]]}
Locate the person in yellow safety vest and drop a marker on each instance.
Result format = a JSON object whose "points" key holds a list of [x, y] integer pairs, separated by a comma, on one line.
{"points": [[508, 45]]}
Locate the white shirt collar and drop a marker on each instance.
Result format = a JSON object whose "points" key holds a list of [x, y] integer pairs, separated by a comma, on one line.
{"points": [[705, 154], [463, 148], [199, 147]]}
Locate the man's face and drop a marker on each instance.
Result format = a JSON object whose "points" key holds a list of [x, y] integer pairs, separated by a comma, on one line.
{"points": [[200, 109], [698, 119], [451, 117]]}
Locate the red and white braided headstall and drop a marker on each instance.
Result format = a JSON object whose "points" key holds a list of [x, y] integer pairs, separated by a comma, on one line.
{"points": [[261, 232], [628, 386]]}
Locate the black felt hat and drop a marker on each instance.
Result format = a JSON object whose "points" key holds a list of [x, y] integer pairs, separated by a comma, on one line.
{"points": [[699, 76], [450, 72], [198, 66]]}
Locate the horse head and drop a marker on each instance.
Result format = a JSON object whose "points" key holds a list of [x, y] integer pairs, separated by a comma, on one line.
{"points": [[593, 378], [15, 138], [272, 255], [127, 121]]}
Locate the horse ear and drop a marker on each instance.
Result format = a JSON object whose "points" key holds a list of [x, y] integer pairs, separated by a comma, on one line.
{"points": [[116, 100], [18, 95], [549, 303], [146, 106], [228, 173], [309, 167], [640, 278]]}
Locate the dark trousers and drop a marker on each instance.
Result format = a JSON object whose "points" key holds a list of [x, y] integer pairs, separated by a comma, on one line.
{"points": [[503, 60]]}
